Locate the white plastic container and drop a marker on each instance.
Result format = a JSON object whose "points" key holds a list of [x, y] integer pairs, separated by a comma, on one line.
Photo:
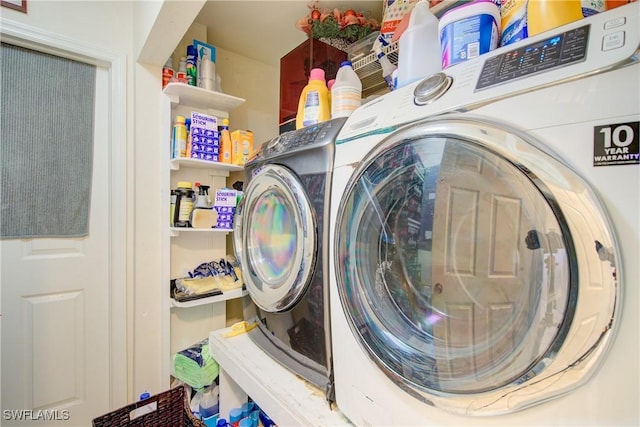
{"points": [[346, 92], [419, 46], [468, 31]]}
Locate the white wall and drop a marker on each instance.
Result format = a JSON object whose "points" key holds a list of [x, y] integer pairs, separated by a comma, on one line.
{"points": [[256, 82], [147, 33]]}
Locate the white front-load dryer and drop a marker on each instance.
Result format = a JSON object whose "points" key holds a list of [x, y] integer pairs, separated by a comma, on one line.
{"points": [[486, 233]]}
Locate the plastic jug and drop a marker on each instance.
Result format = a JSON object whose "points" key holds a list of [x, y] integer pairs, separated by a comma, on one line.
{"points": [[419, 52], [313, 106], [543, 15], [346, 92], [209, 406]]}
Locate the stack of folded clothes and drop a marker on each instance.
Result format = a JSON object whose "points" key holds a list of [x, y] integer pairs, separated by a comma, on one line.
{"points": [[195, 366]]}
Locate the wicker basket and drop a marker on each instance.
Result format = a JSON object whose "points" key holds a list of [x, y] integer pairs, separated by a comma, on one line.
{"points": [[171, 410]]}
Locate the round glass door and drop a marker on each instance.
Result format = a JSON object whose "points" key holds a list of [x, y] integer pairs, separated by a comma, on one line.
{"points": [[460, 250], [276, 239]]}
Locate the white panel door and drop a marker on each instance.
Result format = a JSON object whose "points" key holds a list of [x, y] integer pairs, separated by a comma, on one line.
{"points": [[56, 309]]}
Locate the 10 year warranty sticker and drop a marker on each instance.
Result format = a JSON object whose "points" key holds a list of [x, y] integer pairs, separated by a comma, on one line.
{"points": [[616, 144]]}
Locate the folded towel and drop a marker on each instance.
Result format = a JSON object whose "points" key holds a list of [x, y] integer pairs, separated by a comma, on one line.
{"points": [[195, 366]]}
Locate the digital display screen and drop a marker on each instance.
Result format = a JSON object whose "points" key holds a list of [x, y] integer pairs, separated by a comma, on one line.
{"points": [[557, 51]]}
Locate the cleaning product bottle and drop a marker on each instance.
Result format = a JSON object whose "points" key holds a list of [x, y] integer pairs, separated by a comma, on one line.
{"points": [[591, 7], [313, 106], [513, 21], [387, 69], [419, 52], [225, 142], [192, 65], [167, 72], [346, 93], [543, 15], [209, 406], [181, 75], [184, 204], [172, 207], [202, 216], [179, 138]]}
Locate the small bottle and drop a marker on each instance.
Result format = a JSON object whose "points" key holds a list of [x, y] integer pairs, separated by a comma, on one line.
{"points": [[387, 69], [225, 142], [543, 15], [167, 72], [192, 65], [346, 93], [172, 207], [184, 204], [179, 138], [181, 76], [313, 106], [419, 53], [202, 216], [222, 422]]}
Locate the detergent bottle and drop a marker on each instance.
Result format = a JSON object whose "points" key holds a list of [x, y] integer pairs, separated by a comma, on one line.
{"points": [[225, 142], [513, 21], [346, 92], [313, 106], [419, 52], [543, 15], [202, 216]]}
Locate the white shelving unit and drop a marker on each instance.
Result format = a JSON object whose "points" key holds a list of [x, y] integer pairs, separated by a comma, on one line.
{"points": [[183, 249]]}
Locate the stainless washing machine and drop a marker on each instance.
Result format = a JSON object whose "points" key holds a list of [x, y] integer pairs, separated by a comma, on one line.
{"points": [[281, 240]]}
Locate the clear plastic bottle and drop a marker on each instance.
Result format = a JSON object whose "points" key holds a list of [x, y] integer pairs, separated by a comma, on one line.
{"points": [[346, 93], [419, 53], [209, 403], [313, 106], [543, 15]]}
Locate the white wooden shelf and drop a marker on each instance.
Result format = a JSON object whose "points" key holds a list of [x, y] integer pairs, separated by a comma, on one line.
{"points": [[226, 295], [199, 98], [285, 397], [186, 162], [184, 323], [175, 231]]}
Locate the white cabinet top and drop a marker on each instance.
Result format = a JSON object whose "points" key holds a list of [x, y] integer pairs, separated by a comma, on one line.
{"points": [[284, 396]]}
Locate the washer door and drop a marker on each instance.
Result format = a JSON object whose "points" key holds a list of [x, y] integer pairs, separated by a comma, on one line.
{"points": [[275, 239], [472, 264]]}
